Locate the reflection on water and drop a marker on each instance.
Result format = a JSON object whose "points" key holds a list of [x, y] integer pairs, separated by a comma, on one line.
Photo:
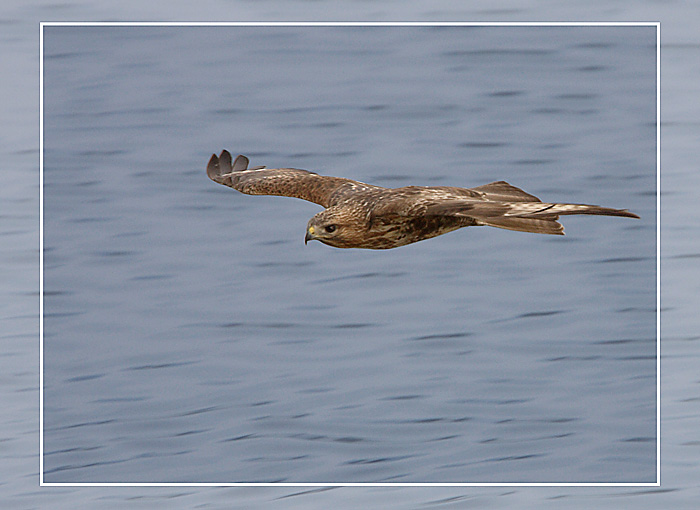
{"points": [[192, 337]]}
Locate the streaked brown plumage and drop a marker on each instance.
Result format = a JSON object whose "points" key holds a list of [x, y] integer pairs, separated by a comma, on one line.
{"points": [[359, 215]]}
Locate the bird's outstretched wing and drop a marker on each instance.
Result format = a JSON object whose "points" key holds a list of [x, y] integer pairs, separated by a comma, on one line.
{"points": [[287, 182], [497, 204]]}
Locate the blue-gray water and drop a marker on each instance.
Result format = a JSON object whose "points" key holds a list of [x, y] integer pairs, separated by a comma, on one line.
{"points": [[190, 336], [19, 255]]}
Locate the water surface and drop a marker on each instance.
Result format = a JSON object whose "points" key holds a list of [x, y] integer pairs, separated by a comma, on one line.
{"points": [[190, 336]]}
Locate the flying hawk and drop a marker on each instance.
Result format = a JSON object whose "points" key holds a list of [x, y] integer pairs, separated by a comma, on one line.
{"points": [[359, 215]]}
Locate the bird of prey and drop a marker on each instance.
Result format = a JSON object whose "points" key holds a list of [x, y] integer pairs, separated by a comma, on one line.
{"points": [[359, 215]]}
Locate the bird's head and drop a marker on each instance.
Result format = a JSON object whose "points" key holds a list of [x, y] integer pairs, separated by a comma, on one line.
{"points": [[330, 227]]}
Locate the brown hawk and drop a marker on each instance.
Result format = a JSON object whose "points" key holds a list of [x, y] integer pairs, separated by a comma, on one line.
{"points": [[359, 215]]}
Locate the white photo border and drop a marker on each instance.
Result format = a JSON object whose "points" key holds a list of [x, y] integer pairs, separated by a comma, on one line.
{"points": [[43, 24]]}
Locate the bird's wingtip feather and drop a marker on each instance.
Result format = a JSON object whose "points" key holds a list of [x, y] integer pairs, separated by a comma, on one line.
{"points": [[213, 169]]}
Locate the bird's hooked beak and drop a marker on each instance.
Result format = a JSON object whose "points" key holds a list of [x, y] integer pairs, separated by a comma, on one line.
{"points": [[310, 235]]}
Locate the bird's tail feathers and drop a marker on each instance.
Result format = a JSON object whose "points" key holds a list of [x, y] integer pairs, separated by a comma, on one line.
{"points": [[542, 218], [534, 225], [552, 210]]}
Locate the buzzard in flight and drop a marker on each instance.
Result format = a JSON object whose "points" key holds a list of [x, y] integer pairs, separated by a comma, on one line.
{"points": [[359, 215]]}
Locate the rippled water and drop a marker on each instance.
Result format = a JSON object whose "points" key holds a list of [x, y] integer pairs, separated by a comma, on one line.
{"points": [[190, 336]]}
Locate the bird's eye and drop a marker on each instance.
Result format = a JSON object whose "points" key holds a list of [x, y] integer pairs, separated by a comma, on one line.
{"points": [[330, 228]]}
